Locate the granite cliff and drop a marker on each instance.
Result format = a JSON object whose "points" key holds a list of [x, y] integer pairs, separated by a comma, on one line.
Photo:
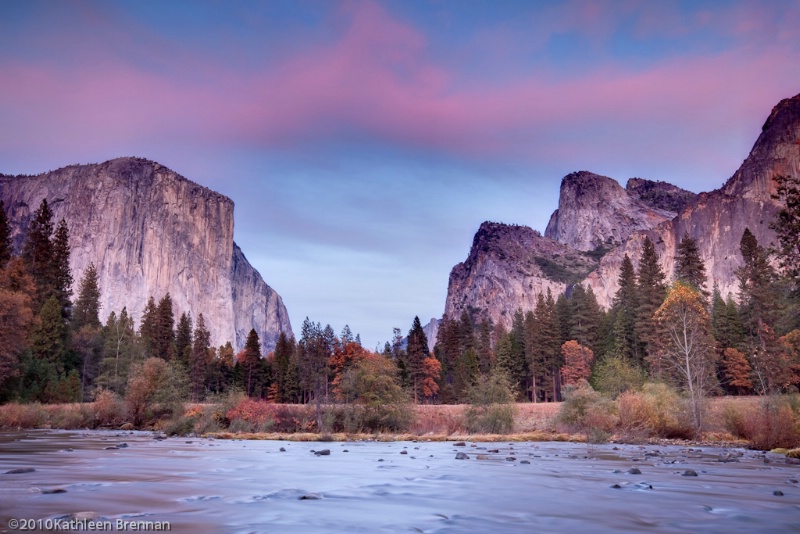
{"points": [[150, 231], [599, 219], [507, 268]]}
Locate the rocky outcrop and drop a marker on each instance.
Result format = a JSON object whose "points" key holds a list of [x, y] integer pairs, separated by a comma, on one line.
{"points": [[431, 332], [150, 231], [716, 220], [596, 214], [508, 265], [659, 195], [507, 268]]}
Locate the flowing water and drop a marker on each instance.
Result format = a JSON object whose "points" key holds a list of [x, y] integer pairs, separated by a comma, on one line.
{"points": [[204, 485]]}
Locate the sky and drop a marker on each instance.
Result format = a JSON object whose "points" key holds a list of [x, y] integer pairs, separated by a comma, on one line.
{"points": [[364, 142]]}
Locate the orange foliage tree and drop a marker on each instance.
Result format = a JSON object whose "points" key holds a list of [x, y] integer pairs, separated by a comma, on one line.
{"points": [[577, 362], [736, 370], [345, 356], [431, 372]]}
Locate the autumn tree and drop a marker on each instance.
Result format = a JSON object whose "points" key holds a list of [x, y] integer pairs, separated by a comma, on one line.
{"points": [[577, 363], [431, 372], [16, 317], [684, 352], [736, 371]]}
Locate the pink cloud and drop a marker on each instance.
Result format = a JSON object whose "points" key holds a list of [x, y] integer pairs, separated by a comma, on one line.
{"points": [[376, 81]]}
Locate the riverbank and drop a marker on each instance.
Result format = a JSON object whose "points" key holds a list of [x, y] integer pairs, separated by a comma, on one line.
{"points": [[750, 422]]}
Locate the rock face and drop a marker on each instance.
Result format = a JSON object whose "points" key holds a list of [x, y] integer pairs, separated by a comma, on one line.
{"points": [[718, 219], [508, 265], [595, 213], [150, 231], [507, 268]]}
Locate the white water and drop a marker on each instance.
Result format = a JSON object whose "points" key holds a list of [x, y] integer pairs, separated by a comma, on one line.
{"points": [[201, 485]]}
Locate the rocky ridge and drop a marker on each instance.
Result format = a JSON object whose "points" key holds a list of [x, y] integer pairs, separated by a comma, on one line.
{"points": [[150, 231], [602, 220]]}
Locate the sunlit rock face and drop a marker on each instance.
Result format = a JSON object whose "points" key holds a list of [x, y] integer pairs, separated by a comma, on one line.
{"points": [[595, 212], [718, 219], [150, 231], [599, 219], [507, 268]]}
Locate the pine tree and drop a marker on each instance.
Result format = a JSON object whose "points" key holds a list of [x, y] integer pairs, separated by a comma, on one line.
{"points": [[48, 342], [284, 349], [165, 334], [651, 290], [61, 274], [689, 267], [5, 237], [37, 252], [120, 350], [183, 339], [585, 317], [250, 359], [199, 358], [148, 329], [416, 352], [87, 307], [626, 304]]}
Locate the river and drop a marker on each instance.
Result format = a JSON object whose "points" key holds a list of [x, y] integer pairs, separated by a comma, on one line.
{"points": [[206, 485]]}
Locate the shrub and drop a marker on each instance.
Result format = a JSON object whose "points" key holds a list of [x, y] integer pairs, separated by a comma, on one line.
{"points": [[656, 411], [614, 375], [69, 416], [15, 415], [155, 388], [376, 400], [250, 415], [775, 423], [586, 410], [491, 409], [109, 409]]}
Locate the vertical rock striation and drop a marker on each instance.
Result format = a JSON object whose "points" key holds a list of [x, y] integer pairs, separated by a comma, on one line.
{"points": [[150, 231]]}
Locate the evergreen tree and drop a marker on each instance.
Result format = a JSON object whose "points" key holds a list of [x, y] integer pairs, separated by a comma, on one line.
{"points": [[284, 349], [148, 329], [485, 355], [87, 307], [165, 334], [61, 274], [199, 361], [416, 352], [250, 360], [689, 267], [37, 252], [49, 336], [585, 317], [626, 304], [544, 354], [651, 291], [183, 339], [5, 237]]}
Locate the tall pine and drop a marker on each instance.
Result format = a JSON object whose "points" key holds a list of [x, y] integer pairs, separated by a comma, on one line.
{"points": [[651, 292], [87, 307], [689, 266], [37, 252]]}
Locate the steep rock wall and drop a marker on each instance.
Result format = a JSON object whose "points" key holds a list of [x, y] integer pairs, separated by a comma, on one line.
{"points": [[150, 231]]}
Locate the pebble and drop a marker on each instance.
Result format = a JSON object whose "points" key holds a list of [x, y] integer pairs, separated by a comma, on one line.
{"points": [[323, 452], [459, 444], [403, 452], [689, 473], [634, 471], [462, 456], [282, 449], [20, 470], [525, 462], [311, 497], [53, 491], [778, 493]]}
